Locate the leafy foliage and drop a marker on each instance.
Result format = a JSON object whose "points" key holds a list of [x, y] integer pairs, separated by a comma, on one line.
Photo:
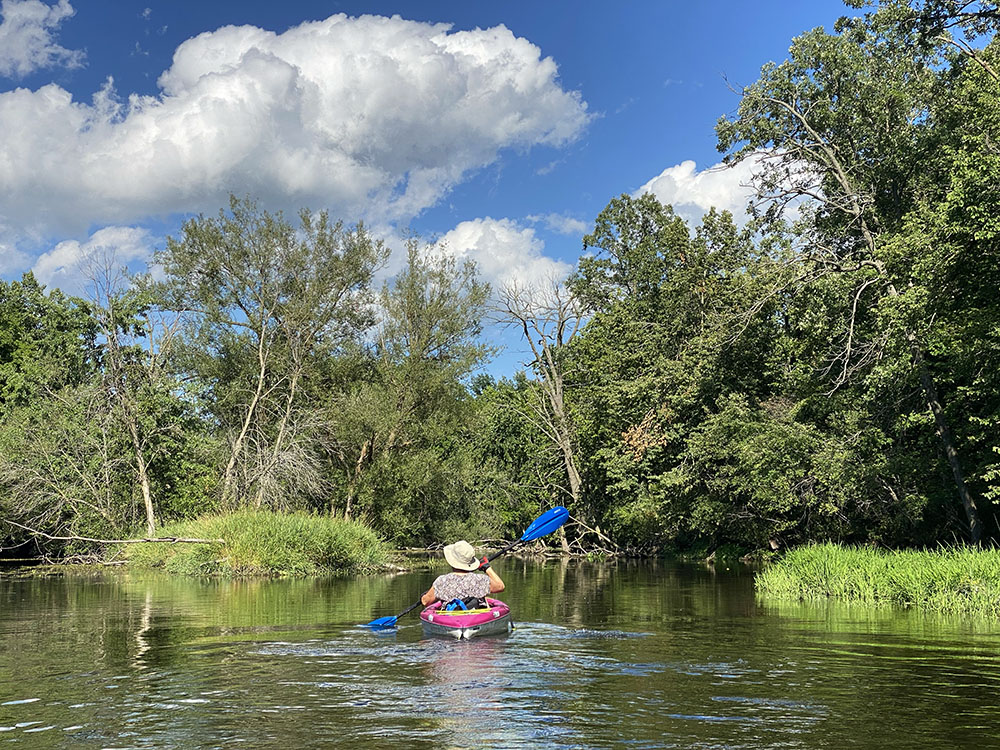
{"points": [[829, 371]]}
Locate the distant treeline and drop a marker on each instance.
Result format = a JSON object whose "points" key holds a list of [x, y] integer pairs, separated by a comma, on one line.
{"points": [[829, 371]]}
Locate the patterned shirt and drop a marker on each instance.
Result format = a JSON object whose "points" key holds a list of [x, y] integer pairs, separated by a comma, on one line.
{"points": [[461, 586]]}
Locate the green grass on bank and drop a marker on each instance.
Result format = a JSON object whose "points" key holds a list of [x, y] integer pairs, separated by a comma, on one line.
{"points": [[264, 544], [957, 579]]}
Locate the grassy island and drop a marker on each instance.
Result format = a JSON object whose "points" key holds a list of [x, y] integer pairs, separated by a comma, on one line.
{"points": [[263, 543], [955, 579]]}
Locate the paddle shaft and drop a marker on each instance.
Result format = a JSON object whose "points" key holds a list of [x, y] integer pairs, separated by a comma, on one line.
{"points": [[503, 551], [409, 609]]}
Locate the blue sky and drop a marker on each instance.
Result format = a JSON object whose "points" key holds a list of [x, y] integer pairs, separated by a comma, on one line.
{"points": [[504, 133]]}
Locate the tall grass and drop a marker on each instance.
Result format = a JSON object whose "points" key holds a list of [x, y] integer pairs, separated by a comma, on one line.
{"points": [[949, 579], [264, 544]]}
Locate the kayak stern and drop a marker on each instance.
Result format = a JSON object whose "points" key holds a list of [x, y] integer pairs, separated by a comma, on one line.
{"points": [[465, 624]]}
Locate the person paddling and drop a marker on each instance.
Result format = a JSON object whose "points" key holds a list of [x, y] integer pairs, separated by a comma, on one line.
{"points": [[463, 582]]}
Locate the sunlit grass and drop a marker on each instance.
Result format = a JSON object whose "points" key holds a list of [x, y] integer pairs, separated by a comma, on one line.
{"points": [[264, 544], [948, 579]]}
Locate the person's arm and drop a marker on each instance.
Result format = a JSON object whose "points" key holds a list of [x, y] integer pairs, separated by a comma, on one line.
{"points": [[496, 582], [429, 598]]}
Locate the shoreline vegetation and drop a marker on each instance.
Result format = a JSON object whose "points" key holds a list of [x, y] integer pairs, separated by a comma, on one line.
{"points": [[693, 383], [265, 544], [951, 580]]}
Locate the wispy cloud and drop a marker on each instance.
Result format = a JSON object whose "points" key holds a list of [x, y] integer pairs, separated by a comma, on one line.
{"points": [[561, 224], [549, 168], [625, 105], [680, 82]]}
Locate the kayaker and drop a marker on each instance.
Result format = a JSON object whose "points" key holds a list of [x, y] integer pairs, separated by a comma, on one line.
{"points": [[466, 579]]}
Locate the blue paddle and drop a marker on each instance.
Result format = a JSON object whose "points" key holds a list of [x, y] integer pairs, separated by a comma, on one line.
{"points": [[546, 523]]}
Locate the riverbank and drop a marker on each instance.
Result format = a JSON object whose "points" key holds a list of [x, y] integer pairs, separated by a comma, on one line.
{"points": [[951, 580], [263, 544]]}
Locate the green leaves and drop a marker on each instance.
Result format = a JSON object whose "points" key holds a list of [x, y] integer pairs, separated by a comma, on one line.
{"points": [[267, 305], [47, 341]]}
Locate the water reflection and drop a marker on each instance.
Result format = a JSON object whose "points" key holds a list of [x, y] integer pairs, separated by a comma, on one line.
{"points": [[468, 680], [627, 655]]}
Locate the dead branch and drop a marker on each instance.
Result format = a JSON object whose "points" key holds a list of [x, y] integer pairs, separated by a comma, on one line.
{"points": [[611, 548], [969, 51], [144, 540]]}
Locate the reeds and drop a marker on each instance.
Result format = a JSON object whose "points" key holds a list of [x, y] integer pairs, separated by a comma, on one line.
{"points": [[947, 579], [263, 543]]}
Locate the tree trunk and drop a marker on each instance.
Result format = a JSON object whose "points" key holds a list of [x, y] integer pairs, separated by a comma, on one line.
{"points": [[347, 505], [143, 472], [943, 430], [563, 541], [572, 472], [227, 476], [355, 480], [947, 442], [280, 438], [553, 384]]}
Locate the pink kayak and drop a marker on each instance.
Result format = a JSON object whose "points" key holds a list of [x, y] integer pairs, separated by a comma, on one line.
{"points": [[491, 620]]}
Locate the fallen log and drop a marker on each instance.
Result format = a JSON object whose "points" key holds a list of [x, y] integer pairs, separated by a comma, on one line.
{"points": [[143, 540]]}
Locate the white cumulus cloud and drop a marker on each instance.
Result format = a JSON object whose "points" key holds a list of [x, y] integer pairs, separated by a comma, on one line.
{"points": [[71, 265], [693, 193], [505, 252], [371, 117], [26, 37]]}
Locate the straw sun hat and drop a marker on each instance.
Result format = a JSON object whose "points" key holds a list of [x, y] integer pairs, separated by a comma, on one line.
{"points": [[461, 555]]}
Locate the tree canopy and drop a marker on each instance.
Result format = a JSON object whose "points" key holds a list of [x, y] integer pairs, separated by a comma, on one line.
{"points": [[828, 369]]}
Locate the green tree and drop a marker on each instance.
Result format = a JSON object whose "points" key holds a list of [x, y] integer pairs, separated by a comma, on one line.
{"points": [[399, 428], [47, 341], [266, 303], [847, 124], [48, 357]]}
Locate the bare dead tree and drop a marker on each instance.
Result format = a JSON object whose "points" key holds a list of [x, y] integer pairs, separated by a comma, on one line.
{"points": [[548, 318]]}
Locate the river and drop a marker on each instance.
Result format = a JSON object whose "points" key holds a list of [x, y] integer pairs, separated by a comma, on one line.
{"points": [[604, 655]]}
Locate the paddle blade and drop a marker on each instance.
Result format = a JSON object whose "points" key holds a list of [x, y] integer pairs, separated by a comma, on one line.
{"points": [[390, 622], [546, 523]]}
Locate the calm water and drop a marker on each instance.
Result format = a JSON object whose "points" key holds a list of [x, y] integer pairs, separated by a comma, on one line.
{"points": [[604, 655]]}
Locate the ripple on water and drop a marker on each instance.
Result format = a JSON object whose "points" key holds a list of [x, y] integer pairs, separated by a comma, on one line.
{"points": [[616, 634]]}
